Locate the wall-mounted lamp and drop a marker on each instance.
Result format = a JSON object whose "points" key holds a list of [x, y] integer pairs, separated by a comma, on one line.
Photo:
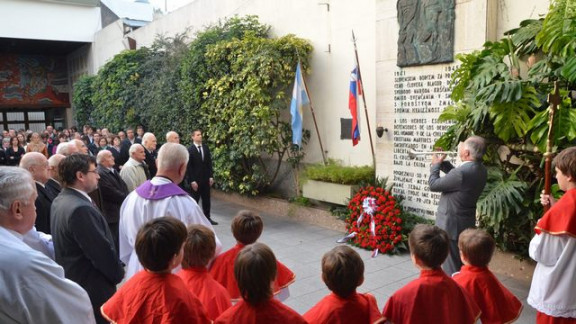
{"points": [[380, 131]]}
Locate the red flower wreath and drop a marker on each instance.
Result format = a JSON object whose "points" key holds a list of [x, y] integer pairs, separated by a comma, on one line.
{"points": [[387, 222]]}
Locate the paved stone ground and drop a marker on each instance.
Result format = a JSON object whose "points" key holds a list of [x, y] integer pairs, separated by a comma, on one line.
{"points": [[301, 246]]}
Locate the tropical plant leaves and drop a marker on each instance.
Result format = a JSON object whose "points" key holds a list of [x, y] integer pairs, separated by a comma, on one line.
{"points": [[512, 119]]}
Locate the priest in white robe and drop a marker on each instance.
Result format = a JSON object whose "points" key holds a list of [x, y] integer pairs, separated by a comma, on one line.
{"points": [[155, 198], [34, 289]]}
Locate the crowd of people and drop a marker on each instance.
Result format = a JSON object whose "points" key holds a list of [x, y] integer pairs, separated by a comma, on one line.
{"points": [[79, 216]]}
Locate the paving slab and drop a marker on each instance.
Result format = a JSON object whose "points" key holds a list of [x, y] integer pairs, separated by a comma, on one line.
{"points": [[300, 246]]}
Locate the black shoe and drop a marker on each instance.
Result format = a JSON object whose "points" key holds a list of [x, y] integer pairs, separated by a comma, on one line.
{"points": [[213, 222]]}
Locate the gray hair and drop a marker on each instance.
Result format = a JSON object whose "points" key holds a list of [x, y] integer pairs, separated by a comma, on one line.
{"points": [[101, 155], [476, 145], [15, 184], [55, 159], [32, 159], [172, 156], [133, 148], [64, 148]]}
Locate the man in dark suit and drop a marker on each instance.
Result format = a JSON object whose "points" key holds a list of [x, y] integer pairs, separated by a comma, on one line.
{"points": [[149, 143], [460, 187], [53, 184], [83, 243], [37, 164], [113, 191], [199, 173], [125, 146]]}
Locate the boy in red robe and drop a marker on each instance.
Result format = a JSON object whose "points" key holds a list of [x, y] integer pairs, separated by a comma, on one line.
{"points": [[498, 304], [343, 272], [199, 249], [246, 228], [155, 295], [433, 297], [255, 272]]}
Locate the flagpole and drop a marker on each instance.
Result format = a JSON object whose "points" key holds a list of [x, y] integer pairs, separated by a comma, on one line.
{"points": [[314, 119], [364, 101]]}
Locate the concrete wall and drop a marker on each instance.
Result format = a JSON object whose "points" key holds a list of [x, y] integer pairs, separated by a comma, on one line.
{"points": [[326, 24], [42, 20]]}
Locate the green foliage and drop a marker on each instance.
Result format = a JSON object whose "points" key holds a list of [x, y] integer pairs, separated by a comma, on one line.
{"points": [[232, 81], [336, 173], [83, 99], [493, 98]]}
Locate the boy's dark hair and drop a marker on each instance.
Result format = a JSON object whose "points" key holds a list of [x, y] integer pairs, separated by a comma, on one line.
{"points": [[199, 247], [247, 227], [342, 270], [254, 270], [477, 246], [72, 164], [429, 244], [565, 161], [158, 241]]}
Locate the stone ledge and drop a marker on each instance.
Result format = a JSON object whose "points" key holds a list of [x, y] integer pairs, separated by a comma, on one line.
{"points": [[503, 263]]}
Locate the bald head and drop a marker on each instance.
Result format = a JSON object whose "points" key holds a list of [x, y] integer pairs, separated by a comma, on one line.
{"points": [[53, 163], [172, 137], [149, 141], [105, 159], [37, 164]]}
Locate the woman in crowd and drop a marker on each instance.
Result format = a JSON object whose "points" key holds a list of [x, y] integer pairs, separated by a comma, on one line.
{"points": [[36, 145], [14, 152]]}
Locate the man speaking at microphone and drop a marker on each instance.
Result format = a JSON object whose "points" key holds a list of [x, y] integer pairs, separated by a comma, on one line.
{"points": [[460, 189]]}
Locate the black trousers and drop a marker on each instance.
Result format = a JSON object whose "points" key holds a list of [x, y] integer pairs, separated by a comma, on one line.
{"points": [[203, 193]]}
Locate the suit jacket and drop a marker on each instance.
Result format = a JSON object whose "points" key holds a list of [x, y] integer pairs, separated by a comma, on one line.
{"points": [[93, 148], [197, 170], [151, 162], [116, 155], [84, 246], [113, 191], [53, 187], [124, 150], [43, 203], [460, 187], [2, 157]]}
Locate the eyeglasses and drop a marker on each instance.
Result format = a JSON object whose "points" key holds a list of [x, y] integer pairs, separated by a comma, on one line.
{"points": [[93, 171]]}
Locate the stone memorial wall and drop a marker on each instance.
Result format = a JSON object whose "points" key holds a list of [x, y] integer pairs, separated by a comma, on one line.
{"points": [[420, 96]]}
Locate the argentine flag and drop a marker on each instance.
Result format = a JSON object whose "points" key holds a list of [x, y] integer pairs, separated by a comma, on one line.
{"points": [[299, 100]]}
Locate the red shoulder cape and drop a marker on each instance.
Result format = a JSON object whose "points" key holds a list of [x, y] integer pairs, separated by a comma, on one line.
{"points": [[357, 308], [222, 271], [497, 303], [272, 311], [213, 295], [432, 298], [154, 298], [560, 218]]}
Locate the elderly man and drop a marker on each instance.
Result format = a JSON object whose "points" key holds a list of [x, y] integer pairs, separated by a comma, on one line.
{"points": [[67, 148], [460, 187], [158, 197], [113, 190], [54, 183], [172, 137], [149, 143], [126, 144], [135, 171], [34, 289], [37, 164], [82, 241]]}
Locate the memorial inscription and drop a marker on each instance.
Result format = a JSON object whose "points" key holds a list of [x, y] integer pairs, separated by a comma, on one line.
{"points": [[419, 98]]}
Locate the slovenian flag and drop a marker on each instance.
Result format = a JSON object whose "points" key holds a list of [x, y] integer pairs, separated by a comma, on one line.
{"points": [[299, 100], [355, 91]]}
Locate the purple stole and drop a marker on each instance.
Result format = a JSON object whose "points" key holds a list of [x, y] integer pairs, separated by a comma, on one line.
{"points": [[149, 191]]}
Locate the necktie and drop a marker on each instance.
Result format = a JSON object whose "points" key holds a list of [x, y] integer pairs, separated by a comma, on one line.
{"points": [[200, 151]]}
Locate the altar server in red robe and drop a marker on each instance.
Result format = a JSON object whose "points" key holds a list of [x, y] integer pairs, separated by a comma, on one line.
{"points": [[343, 272], [433, 297], [498, 304], [553, 289], [155, 295], [255, 272], [247, 227], [199, 249]]}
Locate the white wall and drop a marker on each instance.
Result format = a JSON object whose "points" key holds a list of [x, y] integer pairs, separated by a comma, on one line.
{"points": [[41, 20], [328, 82]]}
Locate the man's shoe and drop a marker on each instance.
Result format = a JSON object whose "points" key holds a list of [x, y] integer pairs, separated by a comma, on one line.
{"points": [[213, 222]]}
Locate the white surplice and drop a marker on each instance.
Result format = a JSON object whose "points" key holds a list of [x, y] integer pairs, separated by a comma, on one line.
{"points": [[34, 289], [136, 211]]}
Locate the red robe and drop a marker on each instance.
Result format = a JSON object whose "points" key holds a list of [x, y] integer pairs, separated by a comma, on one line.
{"points": [[213, 296], [432, 298], [154, 298], [498, 305], [357, 308], [271, 311], [222, 270], [560, 218]]}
